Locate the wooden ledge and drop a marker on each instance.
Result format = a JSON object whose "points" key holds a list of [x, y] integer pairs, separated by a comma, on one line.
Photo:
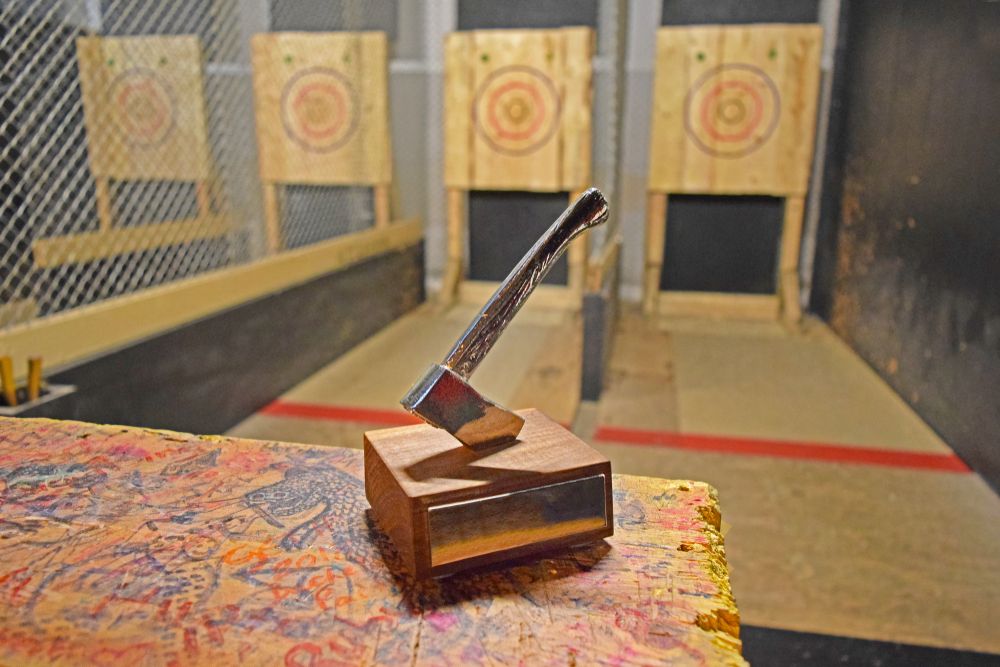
{"points": [[90, 246], [719, 305], [95, 329]]}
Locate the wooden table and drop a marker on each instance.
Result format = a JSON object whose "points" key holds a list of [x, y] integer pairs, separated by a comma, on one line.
{"points": [[125, 546]]}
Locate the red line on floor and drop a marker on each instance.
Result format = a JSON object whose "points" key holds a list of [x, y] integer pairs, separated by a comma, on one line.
{"points": [[339, 413], [810, 451]]}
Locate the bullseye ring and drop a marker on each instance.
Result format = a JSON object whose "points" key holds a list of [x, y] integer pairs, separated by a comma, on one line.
{"points": [[732, 110], [319, 109], [143, 104], [516, 110]]}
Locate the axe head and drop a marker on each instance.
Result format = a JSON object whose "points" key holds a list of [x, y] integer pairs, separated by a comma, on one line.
{"points": [[442, 398]]}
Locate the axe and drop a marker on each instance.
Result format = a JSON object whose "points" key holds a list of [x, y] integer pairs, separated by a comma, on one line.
{"points": [[443, 397]]}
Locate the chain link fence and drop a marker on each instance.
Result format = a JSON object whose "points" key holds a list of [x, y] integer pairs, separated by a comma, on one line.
{"points": [[85, 216], [128, 148]]}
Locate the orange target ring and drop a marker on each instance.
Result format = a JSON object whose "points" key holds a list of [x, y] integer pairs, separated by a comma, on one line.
{"points": [[516, 110], [319, 109], [732, 110], [144, 106]]}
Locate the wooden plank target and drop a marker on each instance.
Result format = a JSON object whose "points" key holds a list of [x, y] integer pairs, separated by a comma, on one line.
{"points": [[518, 109], [322, 108], [734, 109], [144, 107]]}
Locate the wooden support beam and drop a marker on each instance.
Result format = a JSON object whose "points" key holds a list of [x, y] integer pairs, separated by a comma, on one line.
{"points": [[598, 270], [454, 271], [788, 263], [380, 200], [102, 193], [203, 192], [90, 246], [656, 230], [272, 218]]}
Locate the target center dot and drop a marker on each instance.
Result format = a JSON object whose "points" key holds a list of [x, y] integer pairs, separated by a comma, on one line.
{"points": [[731, 110]]}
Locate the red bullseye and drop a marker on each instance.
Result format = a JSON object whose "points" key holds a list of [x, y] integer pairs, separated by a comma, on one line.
{"points": [[516, 110], [732, 110], [319, 109], [537, 115], [710, 111], [144, 107], [313, 98]]}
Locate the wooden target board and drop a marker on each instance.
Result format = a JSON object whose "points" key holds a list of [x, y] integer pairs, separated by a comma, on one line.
{"points": [[518, 109], [321, 107], [734, 109], [144, 107]]}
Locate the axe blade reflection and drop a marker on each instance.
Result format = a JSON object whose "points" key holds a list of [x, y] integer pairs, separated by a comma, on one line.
{"points": [[445, 400]]}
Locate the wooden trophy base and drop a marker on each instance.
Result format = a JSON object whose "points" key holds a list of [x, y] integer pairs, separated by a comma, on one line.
{"points": [[448, 508]]}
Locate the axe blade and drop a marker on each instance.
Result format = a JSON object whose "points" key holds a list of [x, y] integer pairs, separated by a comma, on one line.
{"points": [[444, 399]]}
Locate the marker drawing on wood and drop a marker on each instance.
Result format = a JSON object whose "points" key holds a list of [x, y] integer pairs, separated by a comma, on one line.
{"points": [[122, 545]]}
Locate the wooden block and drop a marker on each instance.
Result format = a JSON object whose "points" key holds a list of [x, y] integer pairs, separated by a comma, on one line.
{"points": [[158, 547], [734, 109], [449, 508], [321, 106], [144, 108], [518, 109]]}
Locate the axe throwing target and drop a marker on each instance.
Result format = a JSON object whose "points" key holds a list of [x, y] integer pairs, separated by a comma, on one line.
{"points": [[144, 109], [732, 110], [319, 109], [516, 110]]}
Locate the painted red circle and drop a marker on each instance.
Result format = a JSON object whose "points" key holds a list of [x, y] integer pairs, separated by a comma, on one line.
{"points": [[143, 92], [717, 91], [334, 126], [340, 110], [708, 122], [143, 106], [494, 100], [538, 129]]}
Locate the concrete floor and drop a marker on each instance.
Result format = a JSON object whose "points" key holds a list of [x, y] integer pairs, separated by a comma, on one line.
{"points": [[845, 513]]}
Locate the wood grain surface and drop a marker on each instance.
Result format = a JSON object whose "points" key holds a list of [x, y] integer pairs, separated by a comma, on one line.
{"points": [[322, 108], [411, 472], [130, 546], [734, 109], [144, 107], [518, 109]]}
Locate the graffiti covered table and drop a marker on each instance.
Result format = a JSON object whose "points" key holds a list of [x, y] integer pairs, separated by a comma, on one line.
{"points": [[125, 546]]}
